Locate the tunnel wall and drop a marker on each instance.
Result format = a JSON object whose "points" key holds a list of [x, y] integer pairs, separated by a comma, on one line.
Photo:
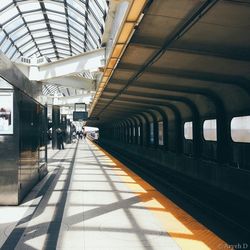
{"points": [[221, 176]]}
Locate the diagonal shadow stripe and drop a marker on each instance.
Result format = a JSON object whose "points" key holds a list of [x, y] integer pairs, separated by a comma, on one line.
{"points": [[20, 228]]}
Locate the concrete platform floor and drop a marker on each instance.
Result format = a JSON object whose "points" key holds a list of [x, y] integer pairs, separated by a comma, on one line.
{"points": [[90, 201]]}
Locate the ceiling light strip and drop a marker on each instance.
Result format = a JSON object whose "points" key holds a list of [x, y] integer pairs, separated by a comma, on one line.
{"points": [[132, 19]]}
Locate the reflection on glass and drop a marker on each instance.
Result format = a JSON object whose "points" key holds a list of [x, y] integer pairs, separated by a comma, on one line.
{"points": [[240, 129], [160, 133], [209, 130], [151, 133], [188, 130]]}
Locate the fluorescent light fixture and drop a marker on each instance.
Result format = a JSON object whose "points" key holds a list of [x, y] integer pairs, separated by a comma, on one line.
{"points": [[126, 31], [118, 50], [135, 10], [112, 62], [132, 19], [108, 72]]}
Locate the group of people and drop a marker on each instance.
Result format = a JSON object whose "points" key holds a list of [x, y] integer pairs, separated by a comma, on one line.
{"points": [[60, 135], [81, 134]]}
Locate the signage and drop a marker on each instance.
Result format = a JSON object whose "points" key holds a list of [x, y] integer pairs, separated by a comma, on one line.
{"points": [[80, 116], [93, 118], [80, 107], [6, 112]]}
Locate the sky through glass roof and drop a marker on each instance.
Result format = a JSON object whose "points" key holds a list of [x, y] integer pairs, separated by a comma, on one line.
{"points": [[53, 28]]}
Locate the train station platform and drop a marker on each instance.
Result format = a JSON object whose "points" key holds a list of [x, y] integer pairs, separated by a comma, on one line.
{"points": [[90, 200]]}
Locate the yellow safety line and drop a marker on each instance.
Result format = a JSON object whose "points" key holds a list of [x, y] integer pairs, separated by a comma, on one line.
{"points": [[188, 233]]}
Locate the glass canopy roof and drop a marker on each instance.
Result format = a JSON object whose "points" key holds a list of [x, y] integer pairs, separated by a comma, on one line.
{"points": [[55, 29]]}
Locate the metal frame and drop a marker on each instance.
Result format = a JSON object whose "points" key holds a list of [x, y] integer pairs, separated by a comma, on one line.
{"points": [[89, 25]]}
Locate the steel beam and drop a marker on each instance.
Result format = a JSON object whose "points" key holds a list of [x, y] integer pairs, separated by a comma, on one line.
{"points": [[85, 62], [76, 82]]}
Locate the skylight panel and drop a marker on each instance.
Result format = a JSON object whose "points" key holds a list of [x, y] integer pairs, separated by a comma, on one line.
{"points": [[75, 25], [102, 4], [27, 47], [47, 50], [58, 26], [76, 16], [2, 36], [93, 42], [22, 41], [97, 11], [37, 26], [43, 40], [63, 55], [61, 41], [49, 54], [94, 24], [75, 13], [57, 17], [75, 29], [33, 16], [16, 56], [5, 45], [59, 36], [62, 50], [8, 15], [5, 3], [76, 44], [60, 33], [75, 52], [94, 33], [19, 35], [31, 52], [13, 24], [54, 6], [45, 46], [76, 34], [63, 46], [41, 33], [77, 5], [11, 51], [78, 39], [28, 6]]}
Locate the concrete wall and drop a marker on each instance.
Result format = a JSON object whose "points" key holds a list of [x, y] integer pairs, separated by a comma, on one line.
{"points": [[223, 177]]}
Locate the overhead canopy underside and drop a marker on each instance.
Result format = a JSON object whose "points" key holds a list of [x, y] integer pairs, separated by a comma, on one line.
{"points": [[186, 57]]}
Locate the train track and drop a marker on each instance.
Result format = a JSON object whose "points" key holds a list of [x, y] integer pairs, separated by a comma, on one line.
{"points": [[228, 219]]}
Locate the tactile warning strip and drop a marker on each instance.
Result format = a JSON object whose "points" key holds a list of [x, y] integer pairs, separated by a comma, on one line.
{"points": [[183, 228]]}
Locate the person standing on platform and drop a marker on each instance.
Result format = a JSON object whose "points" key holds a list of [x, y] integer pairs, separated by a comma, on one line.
{"points": [[84, 133], [81, 134], [59, 134], [78, 135]]}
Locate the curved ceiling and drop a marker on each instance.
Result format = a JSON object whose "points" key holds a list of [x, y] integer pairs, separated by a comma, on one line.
{"points": [[192, 56], [52, 28]]}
